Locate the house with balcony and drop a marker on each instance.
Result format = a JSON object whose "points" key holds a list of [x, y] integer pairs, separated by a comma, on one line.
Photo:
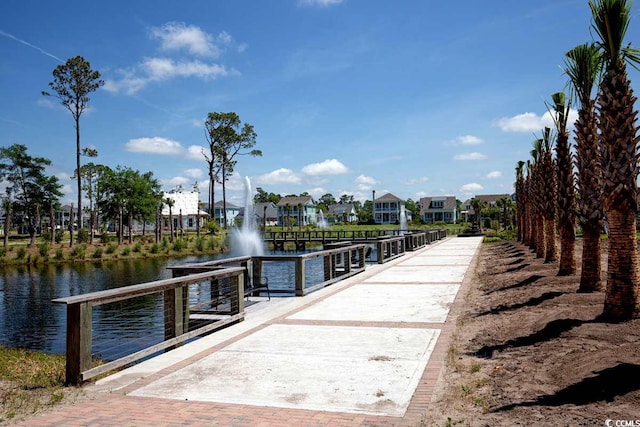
{"points": [[386, 209], [232, 212], [439, 209], [296, 211], [342, 212]]}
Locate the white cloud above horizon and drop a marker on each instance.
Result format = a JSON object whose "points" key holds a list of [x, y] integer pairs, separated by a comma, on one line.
{"points": [[467, 140], [531, 122], [472, 187], [365, 183], [174, 37], [326, 167], [154, 145], [494, 175], [320, 3], [470, 156], [279, 176]]}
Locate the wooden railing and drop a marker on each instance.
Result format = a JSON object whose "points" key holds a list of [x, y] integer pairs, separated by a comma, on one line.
{"points": [[340, 261], [175, 293]]}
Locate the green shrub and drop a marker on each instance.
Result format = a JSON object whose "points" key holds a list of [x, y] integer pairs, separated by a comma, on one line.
{"points": [[97, 253], [83, 235], [491, 239], [212, 243], [199, 244], [104, 237], [46, 235], [59, 254], [137, 248], [3, 251], [111, 248], [43, 249], [21, 254], [126, 250], [179, 245], [79, 251], [155, 248]]}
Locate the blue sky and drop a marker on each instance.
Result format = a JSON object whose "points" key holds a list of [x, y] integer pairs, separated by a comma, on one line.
{"points": [[413, 97]]}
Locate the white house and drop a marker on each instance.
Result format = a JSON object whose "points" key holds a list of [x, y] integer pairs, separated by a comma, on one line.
{"points": [[185, 211]]}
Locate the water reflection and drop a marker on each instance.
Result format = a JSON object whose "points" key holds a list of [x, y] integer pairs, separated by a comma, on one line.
{"points": [[29, 319]]}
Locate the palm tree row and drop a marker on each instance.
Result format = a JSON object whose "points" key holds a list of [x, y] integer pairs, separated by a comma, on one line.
{"points": [[551, 199]]}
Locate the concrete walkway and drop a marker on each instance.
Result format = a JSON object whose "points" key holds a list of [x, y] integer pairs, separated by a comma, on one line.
{"points": [[364, 351]]}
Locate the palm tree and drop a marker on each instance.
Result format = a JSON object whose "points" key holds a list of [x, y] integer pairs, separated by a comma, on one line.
{"points": [[543, 202], [170, 202], [565, 200], [583, 66], [617, 125], [530, 210], [520, 201], [547, 196], [478, 205]]}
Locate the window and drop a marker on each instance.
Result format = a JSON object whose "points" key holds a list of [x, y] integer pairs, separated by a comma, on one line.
{"points": [[437, 204]]}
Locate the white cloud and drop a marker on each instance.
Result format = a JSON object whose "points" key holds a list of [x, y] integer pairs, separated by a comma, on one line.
{"points": [[194, 152], [494, 175], [176, 181], [472, 187], [194, 173], [279, 176], [321, 3], [180, 36], [531, 122], [365, 183], [175, 37], [327, 167], [317, 192], [416, 181], [470, 156], [158, 69], [363, 179], [467, 140], [155, 145]]}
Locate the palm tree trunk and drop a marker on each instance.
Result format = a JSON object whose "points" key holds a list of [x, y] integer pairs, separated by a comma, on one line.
{"points": [[551, 249], [622, 299], [591, 274], [540, 241], [567, 249]]}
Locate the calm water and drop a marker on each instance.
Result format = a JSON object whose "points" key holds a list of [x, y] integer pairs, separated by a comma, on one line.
{"points": [[29, 319]]}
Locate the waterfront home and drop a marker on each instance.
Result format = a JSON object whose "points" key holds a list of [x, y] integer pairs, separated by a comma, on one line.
{"points": [[439, 209], [343, 212], [185, 211], [386, 209], [296, 211]]}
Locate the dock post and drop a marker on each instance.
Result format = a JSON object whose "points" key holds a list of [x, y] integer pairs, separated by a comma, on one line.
{"points": [[78, 341], [299, 277]]}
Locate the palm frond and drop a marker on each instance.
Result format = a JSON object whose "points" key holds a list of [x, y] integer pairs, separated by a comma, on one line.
{"points": [[610, 22], [584, 69]]}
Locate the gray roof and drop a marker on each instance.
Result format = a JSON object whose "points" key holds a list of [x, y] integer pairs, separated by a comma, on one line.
{"points": [[389, 198], [295, 201], [341, 208], [449, 202]]}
